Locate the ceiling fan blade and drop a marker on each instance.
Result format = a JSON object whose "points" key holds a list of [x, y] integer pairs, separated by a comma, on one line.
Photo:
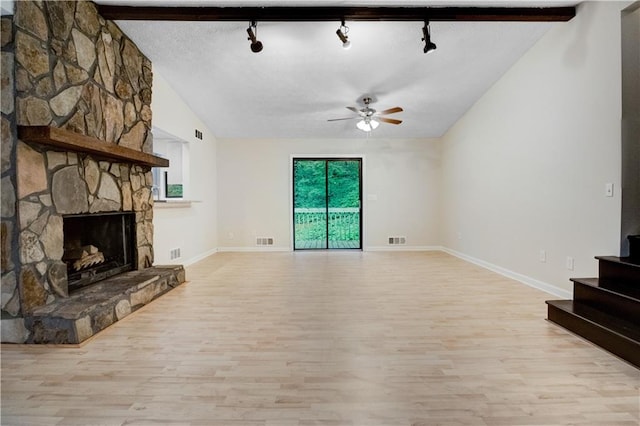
{"points": [[340, 119], [389, 120], [354, 109], [391, 110]]}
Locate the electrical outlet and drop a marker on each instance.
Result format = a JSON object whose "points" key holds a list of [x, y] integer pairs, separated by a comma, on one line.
{"points": [[542, 256], [569, 263]]}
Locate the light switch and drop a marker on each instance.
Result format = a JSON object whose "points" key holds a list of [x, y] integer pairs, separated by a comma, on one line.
{"points": [[608, 190]]}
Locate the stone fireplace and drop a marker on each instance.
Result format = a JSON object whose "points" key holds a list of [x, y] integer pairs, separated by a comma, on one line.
{"points": [[76, 147], [69, 184]]}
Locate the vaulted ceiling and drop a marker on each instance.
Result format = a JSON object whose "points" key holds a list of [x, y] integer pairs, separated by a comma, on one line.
{"points": [[303, 76]]}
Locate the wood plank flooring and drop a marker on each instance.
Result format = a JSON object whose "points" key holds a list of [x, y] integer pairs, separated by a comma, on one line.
{"points": [[327, 338]]}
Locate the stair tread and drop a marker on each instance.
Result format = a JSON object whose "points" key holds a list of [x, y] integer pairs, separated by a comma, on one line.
{"points": [[622, 269], [599, 318], [634, 263], [622, 289]]}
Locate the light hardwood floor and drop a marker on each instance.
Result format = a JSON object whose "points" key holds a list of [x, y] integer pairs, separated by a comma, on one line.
{"points": [[327, 338]]}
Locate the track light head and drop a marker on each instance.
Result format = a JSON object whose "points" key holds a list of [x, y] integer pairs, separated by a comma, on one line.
{"points": [[256, 45], [342, 35], [429, 46]]}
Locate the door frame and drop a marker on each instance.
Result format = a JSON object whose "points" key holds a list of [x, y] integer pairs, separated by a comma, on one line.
{"points": [[363, 198]]}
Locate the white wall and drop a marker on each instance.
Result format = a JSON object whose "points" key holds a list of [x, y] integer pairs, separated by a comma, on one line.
{"points": [[191, 228], [254, 189], [525, 169], [6, 7]]}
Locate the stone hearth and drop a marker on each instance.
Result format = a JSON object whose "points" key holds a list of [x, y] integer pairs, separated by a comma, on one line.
{"points": [[93, 308]]}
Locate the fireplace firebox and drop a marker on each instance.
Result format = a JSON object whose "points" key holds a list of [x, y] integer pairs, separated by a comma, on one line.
{"points": [[98, 246]]}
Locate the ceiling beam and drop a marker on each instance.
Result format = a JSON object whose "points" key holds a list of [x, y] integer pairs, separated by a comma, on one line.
{"points": [[317, 14]]}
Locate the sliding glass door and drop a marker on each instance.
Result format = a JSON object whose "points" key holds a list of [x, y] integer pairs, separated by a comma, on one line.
{"points": [[327, 199]]}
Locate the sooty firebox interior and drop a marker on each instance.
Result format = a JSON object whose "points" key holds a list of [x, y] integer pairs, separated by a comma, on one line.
{"points": [[98, 246]]}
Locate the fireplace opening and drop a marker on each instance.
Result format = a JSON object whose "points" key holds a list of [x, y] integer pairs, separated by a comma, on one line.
{"points": [[98, 246]]}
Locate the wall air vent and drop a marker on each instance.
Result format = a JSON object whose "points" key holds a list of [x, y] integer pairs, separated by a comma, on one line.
{"points": [[175, 253], [198, 134], [262, 241], [394, 241]]}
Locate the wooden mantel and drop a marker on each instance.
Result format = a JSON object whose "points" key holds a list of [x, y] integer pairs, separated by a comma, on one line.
{"points": [[71, 141]]}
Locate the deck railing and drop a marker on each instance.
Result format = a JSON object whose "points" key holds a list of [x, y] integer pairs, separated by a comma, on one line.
{"points": [[311, 224]]}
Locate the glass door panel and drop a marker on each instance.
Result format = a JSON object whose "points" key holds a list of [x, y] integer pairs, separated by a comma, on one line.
{"points": [[310, 204], [343, 188]]}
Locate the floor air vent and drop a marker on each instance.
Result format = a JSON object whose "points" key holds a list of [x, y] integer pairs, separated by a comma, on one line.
{"points": [[394, 241], [264, 241]]}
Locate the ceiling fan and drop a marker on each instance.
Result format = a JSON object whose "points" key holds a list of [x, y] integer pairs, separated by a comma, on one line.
{"points": [[369, 117]]}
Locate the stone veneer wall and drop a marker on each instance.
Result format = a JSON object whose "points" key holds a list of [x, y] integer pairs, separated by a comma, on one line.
{"points": [[74, 70], [13, 328]]}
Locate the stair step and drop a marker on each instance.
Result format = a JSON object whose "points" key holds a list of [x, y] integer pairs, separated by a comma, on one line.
{"points": [[618, 336], [607, 296], [620, 269], [629, 290]]}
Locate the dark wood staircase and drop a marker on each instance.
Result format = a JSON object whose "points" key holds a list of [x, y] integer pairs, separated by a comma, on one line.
{"points": [[605, 310]]}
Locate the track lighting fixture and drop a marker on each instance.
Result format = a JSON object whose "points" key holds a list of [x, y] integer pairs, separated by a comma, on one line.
{"points": [[429, 46], [256, 45], [342, 35]]}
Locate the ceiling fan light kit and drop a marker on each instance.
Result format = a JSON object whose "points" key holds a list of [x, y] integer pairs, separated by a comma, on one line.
{"points": [[367, 125]]}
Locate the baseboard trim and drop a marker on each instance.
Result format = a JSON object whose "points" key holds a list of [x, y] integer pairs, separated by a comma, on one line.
{"points": [[402, 248], [531, 282], [254, 249], [201, 256]]}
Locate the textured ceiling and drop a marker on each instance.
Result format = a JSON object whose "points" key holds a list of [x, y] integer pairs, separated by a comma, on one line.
{"points": [[303, 76]]}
